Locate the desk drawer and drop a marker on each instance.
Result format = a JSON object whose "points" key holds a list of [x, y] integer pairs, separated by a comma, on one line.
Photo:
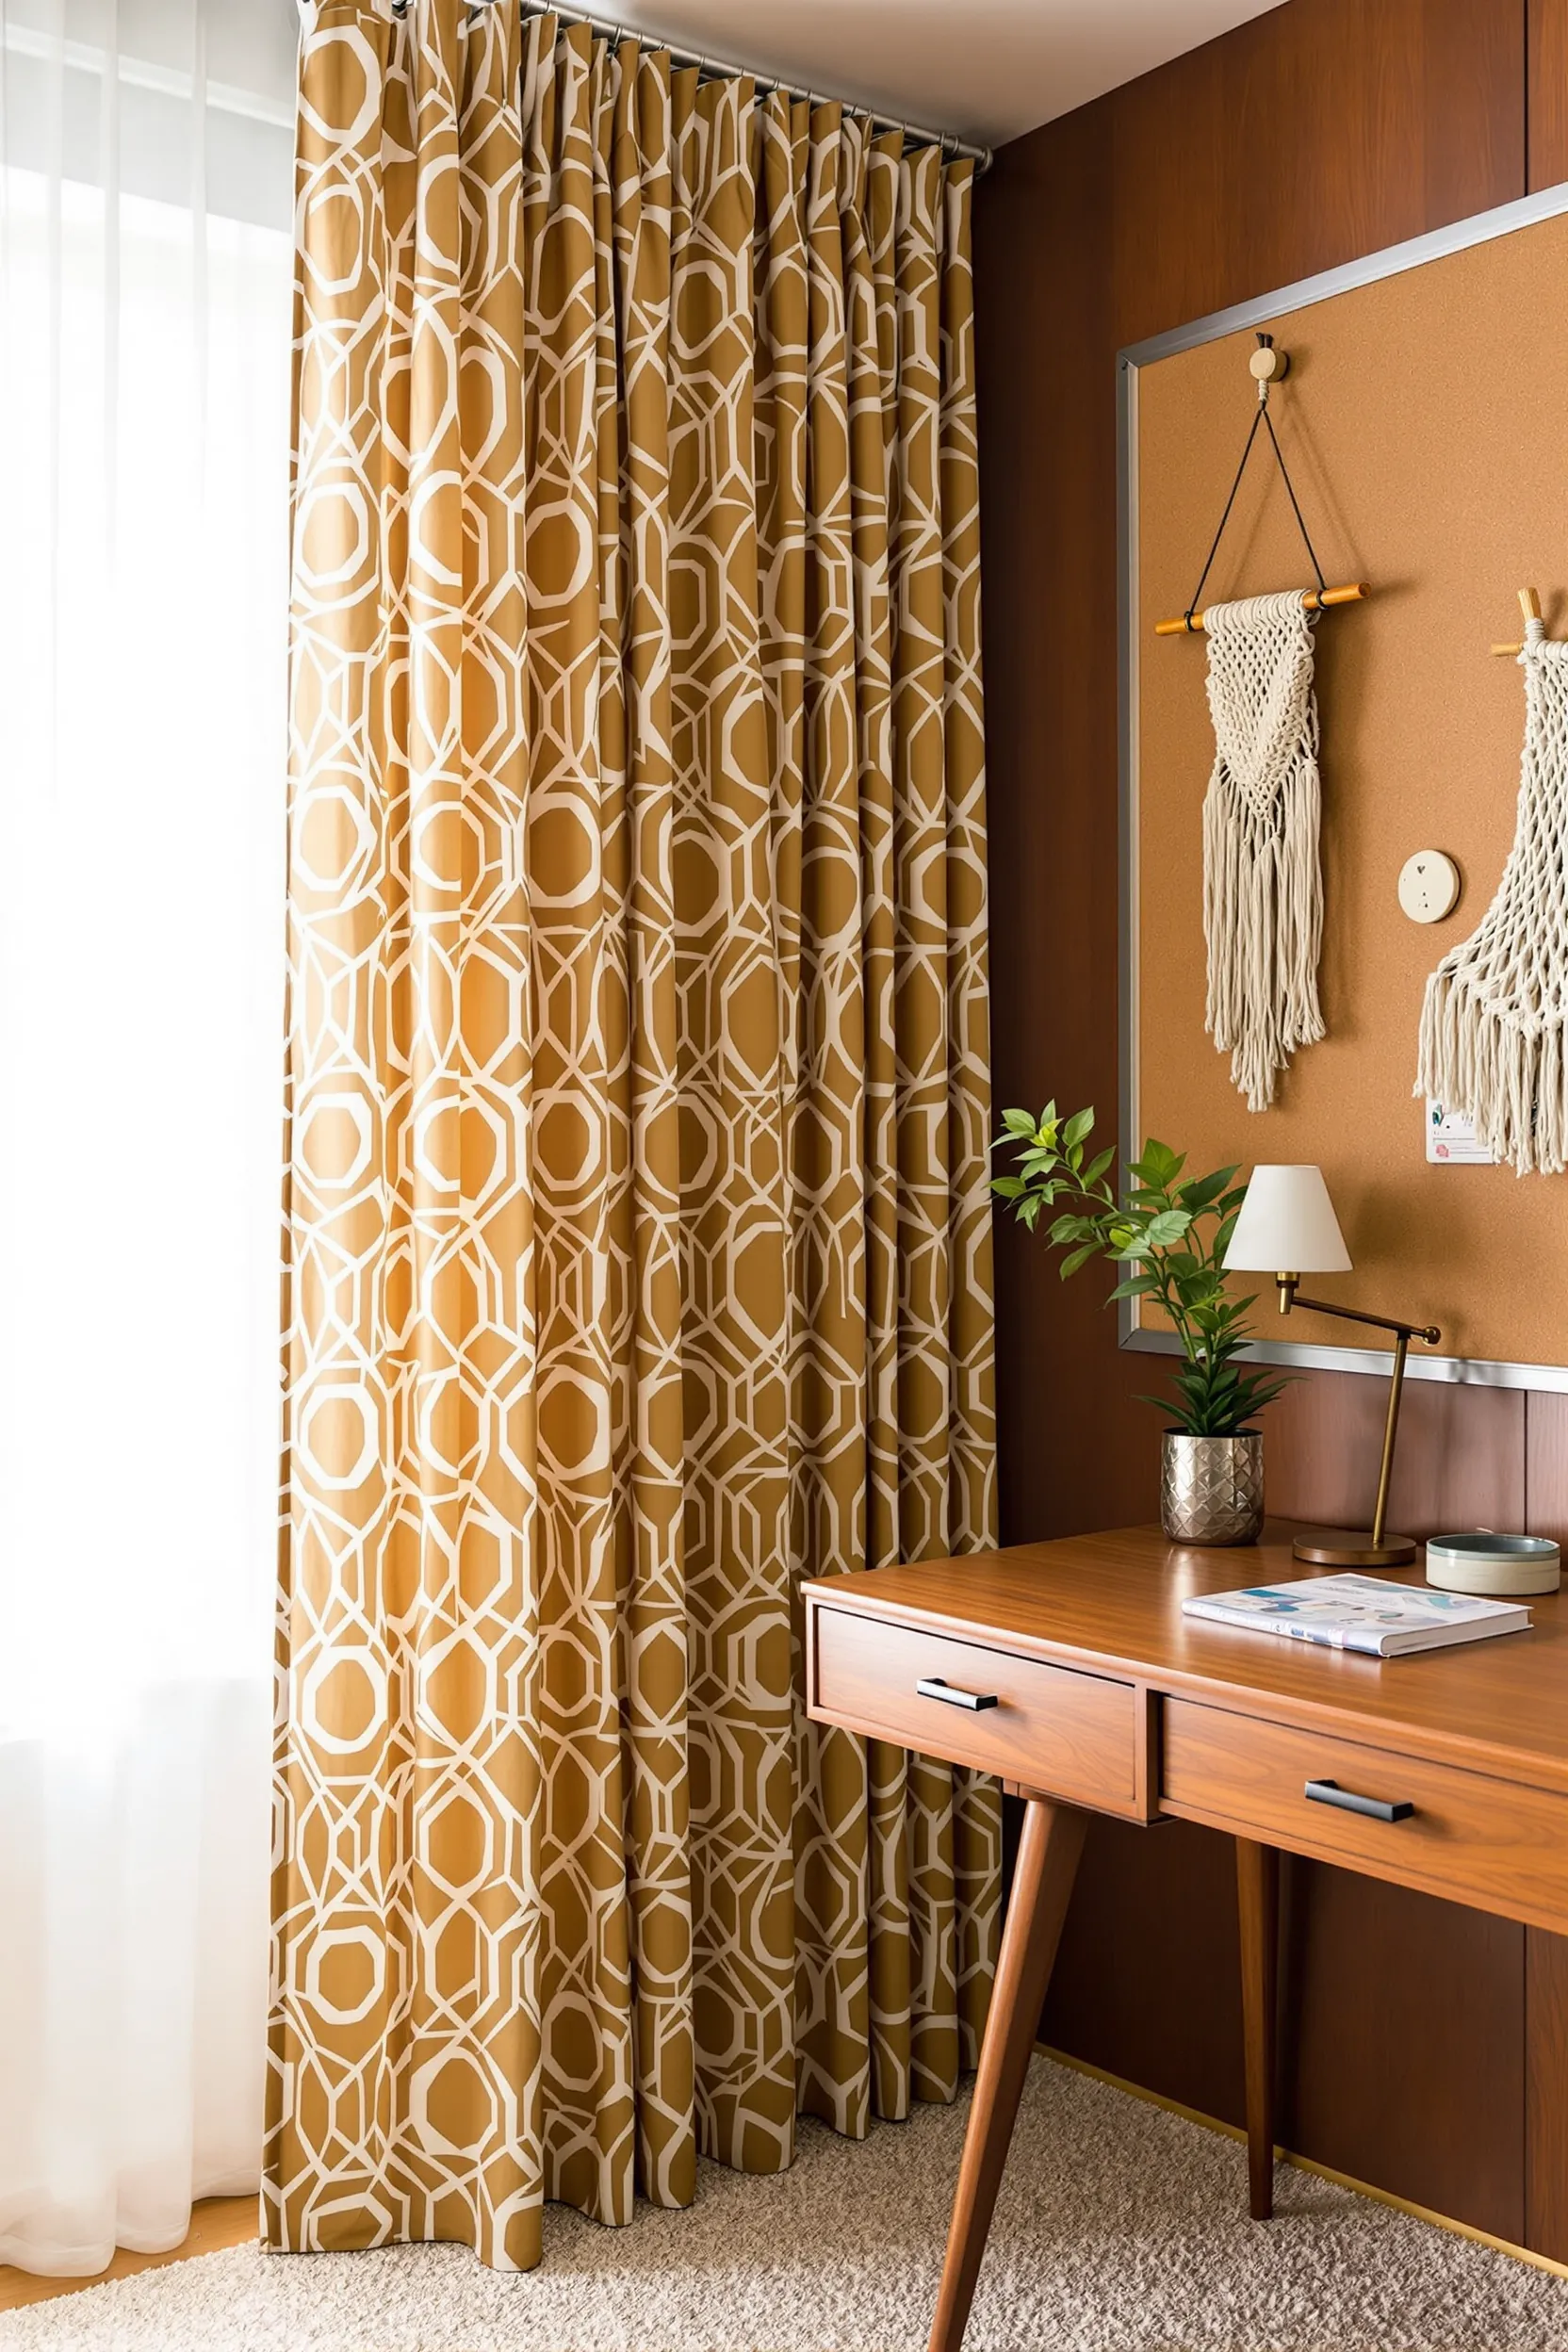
{"points": [[1491, 1843], [1065, 1734]]}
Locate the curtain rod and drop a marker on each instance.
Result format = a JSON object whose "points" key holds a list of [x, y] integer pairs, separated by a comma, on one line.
{"points": [[705, 62]]}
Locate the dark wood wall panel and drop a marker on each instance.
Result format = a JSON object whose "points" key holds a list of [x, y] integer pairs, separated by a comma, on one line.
{"points": [[1358, 2088], [1546, 1466], [1126, 1994], [1546, 2108], [1325, 129], [1546, 38], [1048, 484], [1318, 131], [1461, 1458]]}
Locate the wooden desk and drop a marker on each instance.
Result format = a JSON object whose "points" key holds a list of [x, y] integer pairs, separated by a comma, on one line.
{"points": [[1100, 1697]]}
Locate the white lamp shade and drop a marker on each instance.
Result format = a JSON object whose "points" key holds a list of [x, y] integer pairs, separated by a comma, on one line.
{"points": [[1286, 1225]]}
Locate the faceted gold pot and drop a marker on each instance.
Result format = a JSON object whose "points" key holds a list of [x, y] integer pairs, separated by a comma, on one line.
{"points": [[1211, 1488]]}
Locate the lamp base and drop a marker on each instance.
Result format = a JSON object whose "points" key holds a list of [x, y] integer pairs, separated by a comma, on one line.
{"points": [[1347, 1548]]}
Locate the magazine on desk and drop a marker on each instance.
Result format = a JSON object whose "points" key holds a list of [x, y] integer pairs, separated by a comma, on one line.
{"points": [[1365, 1613]]}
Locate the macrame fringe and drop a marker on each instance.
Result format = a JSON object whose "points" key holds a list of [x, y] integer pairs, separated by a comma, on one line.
{"points": [[1263, 919], [1492, 1021], [1263, 888], [1509, 1080]]}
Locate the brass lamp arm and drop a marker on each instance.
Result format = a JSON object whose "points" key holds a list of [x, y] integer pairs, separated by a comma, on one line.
{"points": [[1290, 1297], [1403, 1333]]}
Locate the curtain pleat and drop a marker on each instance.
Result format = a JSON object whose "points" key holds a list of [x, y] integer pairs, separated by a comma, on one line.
{"points": [[636, 1223]]}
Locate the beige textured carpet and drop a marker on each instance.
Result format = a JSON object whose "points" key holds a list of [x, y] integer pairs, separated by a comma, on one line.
{"points": [[1121, 2228]]}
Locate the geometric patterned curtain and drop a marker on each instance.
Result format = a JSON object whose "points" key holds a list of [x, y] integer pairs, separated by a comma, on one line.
{"points": [[636, 1223]]}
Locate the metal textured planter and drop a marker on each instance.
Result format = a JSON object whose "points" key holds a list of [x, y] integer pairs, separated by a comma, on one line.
{"points": [[1211, 1488]]}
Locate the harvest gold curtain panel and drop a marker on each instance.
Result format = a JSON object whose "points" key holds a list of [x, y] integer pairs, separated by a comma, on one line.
{"points": [[636, 1223]]}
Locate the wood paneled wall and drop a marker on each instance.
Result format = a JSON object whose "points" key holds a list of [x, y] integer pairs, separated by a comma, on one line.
{"points": [[1321, 131]]}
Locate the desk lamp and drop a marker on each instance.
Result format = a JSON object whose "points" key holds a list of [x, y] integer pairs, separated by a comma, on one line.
{"points": [[1287, 1219]]}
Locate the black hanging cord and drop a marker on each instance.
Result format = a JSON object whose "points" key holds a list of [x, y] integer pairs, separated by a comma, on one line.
{"points": [[1263, 417]]}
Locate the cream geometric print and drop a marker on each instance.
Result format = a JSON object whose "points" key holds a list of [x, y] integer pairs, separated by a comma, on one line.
{"points": [[636, 1221]]}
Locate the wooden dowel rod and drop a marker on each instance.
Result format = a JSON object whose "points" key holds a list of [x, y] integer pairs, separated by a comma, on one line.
{"points": [[1529, 605], [1313, 600]]}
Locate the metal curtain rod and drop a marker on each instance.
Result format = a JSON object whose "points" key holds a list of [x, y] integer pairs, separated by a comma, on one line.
{"points": [[705, 63]]}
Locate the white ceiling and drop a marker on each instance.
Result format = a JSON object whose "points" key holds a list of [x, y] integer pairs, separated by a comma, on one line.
{"points": [[986, 69]]}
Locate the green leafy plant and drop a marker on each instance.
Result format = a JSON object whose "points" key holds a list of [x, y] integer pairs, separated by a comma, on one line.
{"points": [[1170, 1237]]}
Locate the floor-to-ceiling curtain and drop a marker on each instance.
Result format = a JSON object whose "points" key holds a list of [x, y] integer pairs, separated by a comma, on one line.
{"points": [[145, 265], [636, 1221]]}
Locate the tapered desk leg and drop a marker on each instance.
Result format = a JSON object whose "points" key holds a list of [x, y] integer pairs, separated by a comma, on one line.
{"points": [[1047, 1863], [1258, 1901]]}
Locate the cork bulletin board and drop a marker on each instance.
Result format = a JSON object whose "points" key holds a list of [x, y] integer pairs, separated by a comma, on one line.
{"points": [[1425, 421]]}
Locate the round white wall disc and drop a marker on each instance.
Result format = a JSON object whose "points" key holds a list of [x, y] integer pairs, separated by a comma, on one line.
{"points": [[1428, 886]]}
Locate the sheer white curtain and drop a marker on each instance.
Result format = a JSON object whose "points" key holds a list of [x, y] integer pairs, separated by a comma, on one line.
{"points": [[145, 198]]}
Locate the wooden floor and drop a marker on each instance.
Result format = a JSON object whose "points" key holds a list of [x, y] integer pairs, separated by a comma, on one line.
{"points": [[214, 2222]]}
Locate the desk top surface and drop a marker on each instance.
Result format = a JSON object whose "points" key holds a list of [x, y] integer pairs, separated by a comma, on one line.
{"points": [[1112, 1602]]}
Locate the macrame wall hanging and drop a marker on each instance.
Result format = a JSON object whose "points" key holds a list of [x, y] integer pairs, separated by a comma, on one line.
{"points": [[1263, 883], [1491, 1022]]}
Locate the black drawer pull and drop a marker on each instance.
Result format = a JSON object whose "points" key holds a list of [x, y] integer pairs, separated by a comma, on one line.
{"points": [[935, 1687], [1376, 1808]]}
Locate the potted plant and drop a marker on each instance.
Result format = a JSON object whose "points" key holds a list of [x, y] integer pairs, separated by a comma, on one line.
{"points": [[1169, 1235]]}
